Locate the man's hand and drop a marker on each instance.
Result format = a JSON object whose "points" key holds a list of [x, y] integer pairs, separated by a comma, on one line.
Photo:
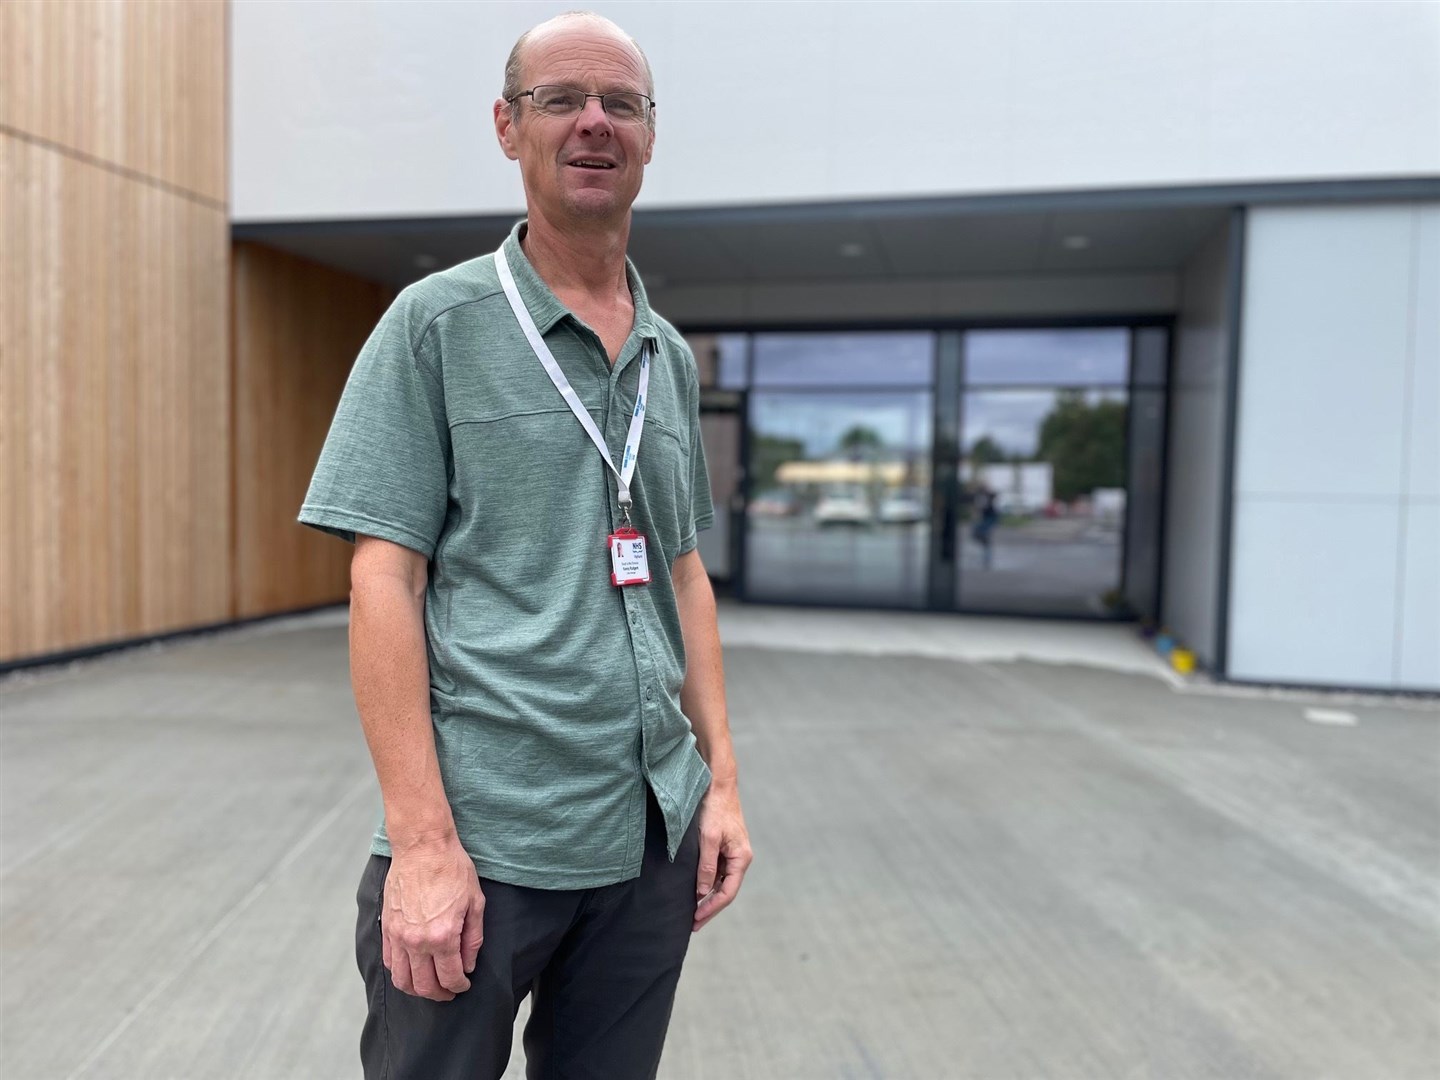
{"points": [[724, 851], [432, 921]]}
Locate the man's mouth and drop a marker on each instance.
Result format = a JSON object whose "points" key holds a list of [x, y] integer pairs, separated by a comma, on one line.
{"points": [[592, 163]]}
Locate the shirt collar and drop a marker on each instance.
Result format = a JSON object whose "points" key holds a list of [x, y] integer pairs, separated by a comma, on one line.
{"points": [[545, 307]]}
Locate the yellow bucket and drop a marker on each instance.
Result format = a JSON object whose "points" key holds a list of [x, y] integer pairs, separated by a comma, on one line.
{"points": [[1182, 660]]}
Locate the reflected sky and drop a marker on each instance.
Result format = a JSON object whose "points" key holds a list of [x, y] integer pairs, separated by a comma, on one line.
{"points": [[902, 420], [732, 370], [1012, 418], [720, 359], [1066, 357], [845, 358]]}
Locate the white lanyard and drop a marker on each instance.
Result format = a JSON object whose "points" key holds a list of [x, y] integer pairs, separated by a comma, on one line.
{"points": [[626, 471]]}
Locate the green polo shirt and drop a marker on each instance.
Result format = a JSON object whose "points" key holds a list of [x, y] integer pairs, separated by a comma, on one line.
{"points": [[555, 696]]}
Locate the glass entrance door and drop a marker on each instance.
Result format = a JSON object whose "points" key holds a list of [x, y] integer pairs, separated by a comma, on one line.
{"points": [[721, 431], [1040, 487], [999, 470], [839, 468]]}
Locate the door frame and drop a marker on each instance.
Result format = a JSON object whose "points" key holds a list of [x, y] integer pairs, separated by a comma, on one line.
{"points": [[736, 403]]}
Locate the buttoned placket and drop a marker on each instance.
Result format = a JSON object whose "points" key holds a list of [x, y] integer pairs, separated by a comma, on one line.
{"points": [[615, 423]]}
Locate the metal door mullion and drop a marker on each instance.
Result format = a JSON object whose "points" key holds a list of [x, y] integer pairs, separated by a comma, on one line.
{"points": [[944, 472]]}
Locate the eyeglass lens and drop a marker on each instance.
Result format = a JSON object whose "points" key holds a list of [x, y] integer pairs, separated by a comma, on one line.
{"points": [[566, 101]]}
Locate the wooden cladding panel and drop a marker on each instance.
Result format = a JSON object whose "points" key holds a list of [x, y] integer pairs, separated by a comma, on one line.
{"points": [[298, 328], [114, 431], [136, 83]]}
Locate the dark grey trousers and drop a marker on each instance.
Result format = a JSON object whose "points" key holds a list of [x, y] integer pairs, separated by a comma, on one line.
{"points": [[601, 965]]}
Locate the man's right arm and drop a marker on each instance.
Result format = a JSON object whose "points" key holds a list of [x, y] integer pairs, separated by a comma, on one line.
{"points": [[433, 909]]}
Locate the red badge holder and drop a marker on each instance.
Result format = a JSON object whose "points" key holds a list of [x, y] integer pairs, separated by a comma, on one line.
{"points": [[629, 558]]}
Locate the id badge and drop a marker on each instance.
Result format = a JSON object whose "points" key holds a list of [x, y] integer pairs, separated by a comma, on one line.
{"points": [[629, 562]]}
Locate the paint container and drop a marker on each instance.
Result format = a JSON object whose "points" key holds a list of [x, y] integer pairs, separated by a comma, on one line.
{"points": [[1183, 661]]}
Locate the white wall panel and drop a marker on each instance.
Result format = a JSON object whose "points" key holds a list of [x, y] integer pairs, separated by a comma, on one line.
{"points": [[1313, 595], [1324, 350], [1424, 434], [1194, 483], [382, 107], [1336, 543], [1419, 648]]}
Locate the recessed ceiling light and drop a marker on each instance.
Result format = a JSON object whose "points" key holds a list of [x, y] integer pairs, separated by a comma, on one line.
{"points": [[852, 250], [1076, 243], [426, 262]]}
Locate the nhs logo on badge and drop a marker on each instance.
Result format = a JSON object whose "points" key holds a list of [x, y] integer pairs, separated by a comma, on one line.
{"points": [[629, 561]]}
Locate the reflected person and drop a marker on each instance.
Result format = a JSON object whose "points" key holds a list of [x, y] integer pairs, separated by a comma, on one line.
{"points": [[987, 516]]}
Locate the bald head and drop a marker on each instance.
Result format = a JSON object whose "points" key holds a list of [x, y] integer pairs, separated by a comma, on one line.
{"points": [[569, 21]]}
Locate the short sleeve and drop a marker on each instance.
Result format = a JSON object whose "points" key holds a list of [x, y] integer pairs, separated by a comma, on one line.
{"points": [[384, 469], [701, 510]]}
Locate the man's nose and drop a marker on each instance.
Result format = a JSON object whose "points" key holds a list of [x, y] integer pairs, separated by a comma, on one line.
{"points": [[593, 119]]}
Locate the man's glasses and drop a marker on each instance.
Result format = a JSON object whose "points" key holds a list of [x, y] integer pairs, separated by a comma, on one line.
{"points": [[623, 106]]}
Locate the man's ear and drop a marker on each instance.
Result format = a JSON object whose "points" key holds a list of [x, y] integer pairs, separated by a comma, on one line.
{"points": [[650, 146], [504, 128]]}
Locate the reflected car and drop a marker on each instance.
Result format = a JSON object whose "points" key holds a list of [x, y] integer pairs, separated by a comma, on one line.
{"points": [[774, 504], [843, 508], [902, 508]]}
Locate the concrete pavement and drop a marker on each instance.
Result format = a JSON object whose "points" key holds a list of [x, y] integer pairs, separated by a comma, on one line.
{"points": [[985, 849]]}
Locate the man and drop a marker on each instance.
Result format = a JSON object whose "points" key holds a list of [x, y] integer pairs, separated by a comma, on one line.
{"points": [[533, 642]]}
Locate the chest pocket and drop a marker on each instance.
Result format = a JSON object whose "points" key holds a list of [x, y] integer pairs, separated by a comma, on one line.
{"points": [[662, 488]]}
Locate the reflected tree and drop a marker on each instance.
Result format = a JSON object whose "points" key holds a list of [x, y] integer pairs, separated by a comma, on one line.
{"points": [[986, 451], [860, 441], [768, 453], [1084, 444]]}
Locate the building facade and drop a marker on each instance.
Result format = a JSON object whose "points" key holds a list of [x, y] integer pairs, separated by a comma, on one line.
{"points": [[1119, 311]]}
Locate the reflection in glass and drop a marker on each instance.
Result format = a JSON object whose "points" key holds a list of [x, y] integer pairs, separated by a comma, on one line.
{"points": [[720, 435], [845, 359], [1042, 477], [720, 360], [1031, 357], [840, 497]]}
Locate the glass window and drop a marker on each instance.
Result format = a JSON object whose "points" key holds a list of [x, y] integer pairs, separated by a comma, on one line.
{"points": [[854, 358], [1063, 357], [721, 359], [1042, 474], [840, 497]]}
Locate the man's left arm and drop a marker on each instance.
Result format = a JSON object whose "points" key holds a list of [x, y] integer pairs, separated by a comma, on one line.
{"points": [[724, 841]]}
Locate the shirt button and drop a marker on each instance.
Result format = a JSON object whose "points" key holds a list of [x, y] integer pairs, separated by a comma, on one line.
{"points": [[649, 693]]}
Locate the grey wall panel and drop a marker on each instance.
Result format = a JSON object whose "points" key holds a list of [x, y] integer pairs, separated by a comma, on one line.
{"points": [[918, 299], [1313, 597], [1131, 294], [1195, 478], [838, 300], [1418, 629], [1418, 653], [1423, 480]]}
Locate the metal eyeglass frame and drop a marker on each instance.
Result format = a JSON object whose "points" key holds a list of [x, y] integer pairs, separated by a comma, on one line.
{"points": [[649, 108]]}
